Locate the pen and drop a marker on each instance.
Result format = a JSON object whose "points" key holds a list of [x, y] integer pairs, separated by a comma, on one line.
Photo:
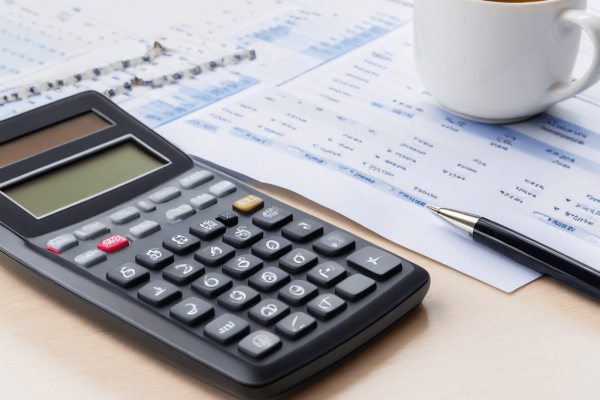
{"points": [[524, 250]]}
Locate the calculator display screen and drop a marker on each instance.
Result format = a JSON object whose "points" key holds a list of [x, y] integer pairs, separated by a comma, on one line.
{"points": [[50, 137], [83, 178]]}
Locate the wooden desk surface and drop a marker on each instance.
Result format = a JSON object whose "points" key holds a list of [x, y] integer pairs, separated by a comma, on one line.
{"points": [[467, 341]]}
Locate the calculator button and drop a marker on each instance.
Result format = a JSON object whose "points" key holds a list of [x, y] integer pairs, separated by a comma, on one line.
{"points": [[228, 219], [298, 261], [302, 231], [227, 329], [183, 272], [243, 236], [155, 258], [128, 275], [327, 274], [144, 229], [146, 206], [269, 311], [203, 201], [192, 311], [355, 287], [248, 204], [243, 266], [195, 179], [326, 306], [61, 243], [259, 344], [207, 230], [239, 298], [212, 284], [269, 279], [334, 244], [181, 244], [90, 258], [91, 231], [296, 325], [158, 293], [180, 213], [297, 293], [222, 188], [375, 263], [164, 195], [272, 247], [272, 218], [113, 243], [125, 215], [215, 254]]}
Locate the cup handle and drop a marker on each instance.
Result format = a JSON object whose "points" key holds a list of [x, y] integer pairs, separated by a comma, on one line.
{"points": [[591, 25]]}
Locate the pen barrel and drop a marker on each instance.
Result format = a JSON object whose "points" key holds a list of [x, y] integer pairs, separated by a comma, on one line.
{"points": [[538, 257]]}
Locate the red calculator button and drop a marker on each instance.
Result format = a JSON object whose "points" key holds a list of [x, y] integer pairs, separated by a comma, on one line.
{"points": [[113, 243]]}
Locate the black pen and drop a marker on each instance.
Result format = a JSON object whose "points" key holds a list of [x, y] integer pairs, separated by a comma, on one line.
{"points": [[524, 250]]}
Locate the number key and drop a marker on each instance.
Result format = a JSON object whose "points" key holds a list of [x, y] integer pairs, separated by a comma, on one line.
{"points": [[297, 293], [192, 311], [212, 284], [183, 272], [128, 275], [181, 244], [155, 258]]}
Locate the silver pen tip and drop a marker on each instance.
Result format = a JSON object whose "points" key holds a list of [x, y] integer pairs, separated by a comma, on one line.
{"points": [[434, 209]]}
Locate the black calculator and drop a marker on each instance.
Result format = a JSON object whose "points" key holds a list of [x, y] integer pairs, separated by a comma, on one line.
{"points": [[232, 286]]}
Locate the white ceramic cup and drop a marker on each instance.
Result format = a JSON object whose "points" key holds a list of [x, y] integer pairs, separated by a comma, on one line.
{"points": [[502, 62]]}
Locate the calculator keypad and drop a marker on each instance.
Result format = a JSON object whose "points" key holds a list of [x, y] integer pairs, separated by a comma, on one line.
{"points": [[235, 269]]}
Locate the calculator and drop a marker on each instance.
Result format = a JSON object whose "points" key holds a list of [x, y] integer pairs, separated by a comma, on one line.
{"points": [[232, 286]]}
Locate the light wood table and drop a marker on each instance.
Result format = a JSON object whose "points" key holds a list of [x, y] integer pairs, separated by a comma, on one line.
{"points": [[467, 341]]}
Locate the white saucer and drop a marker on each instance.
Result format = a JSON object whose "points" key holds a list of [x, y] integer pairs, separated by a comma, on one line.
{"points": [[486, 120]]}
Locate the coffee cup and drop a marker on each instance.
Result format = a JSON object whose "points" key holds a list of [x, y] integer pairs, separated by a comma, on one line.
{"points": [[502, 61]]}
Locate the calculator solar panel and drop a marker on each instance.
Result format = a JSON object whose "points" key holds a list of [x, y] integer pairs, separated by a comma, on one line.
{"points": [[237, 288]]}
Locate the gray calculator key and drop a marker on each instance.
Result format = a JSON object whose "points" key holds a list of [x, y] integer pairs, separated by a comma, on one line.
{"points": [[334, 244], [90, 258], [181, 212], [296, 325], [375, 263], [61, 243], [128, 275], [227, 328], [259, 344], [192, 311], [144, 229], [91, 231], [125, 215], [203, 201], [158, 293], [222, 188], [164, 195], [146, 206], [195, 179], [356, 287]]}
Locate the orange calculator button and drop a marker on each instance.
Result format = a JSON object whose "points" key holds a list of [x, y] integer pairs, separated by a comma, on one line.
{"points": [[249, 204]]}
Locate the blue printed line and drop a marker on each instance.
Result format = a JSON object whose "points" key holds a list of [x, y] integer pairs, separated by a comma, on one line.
{"points": [[345, 52], [348, 171]]}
